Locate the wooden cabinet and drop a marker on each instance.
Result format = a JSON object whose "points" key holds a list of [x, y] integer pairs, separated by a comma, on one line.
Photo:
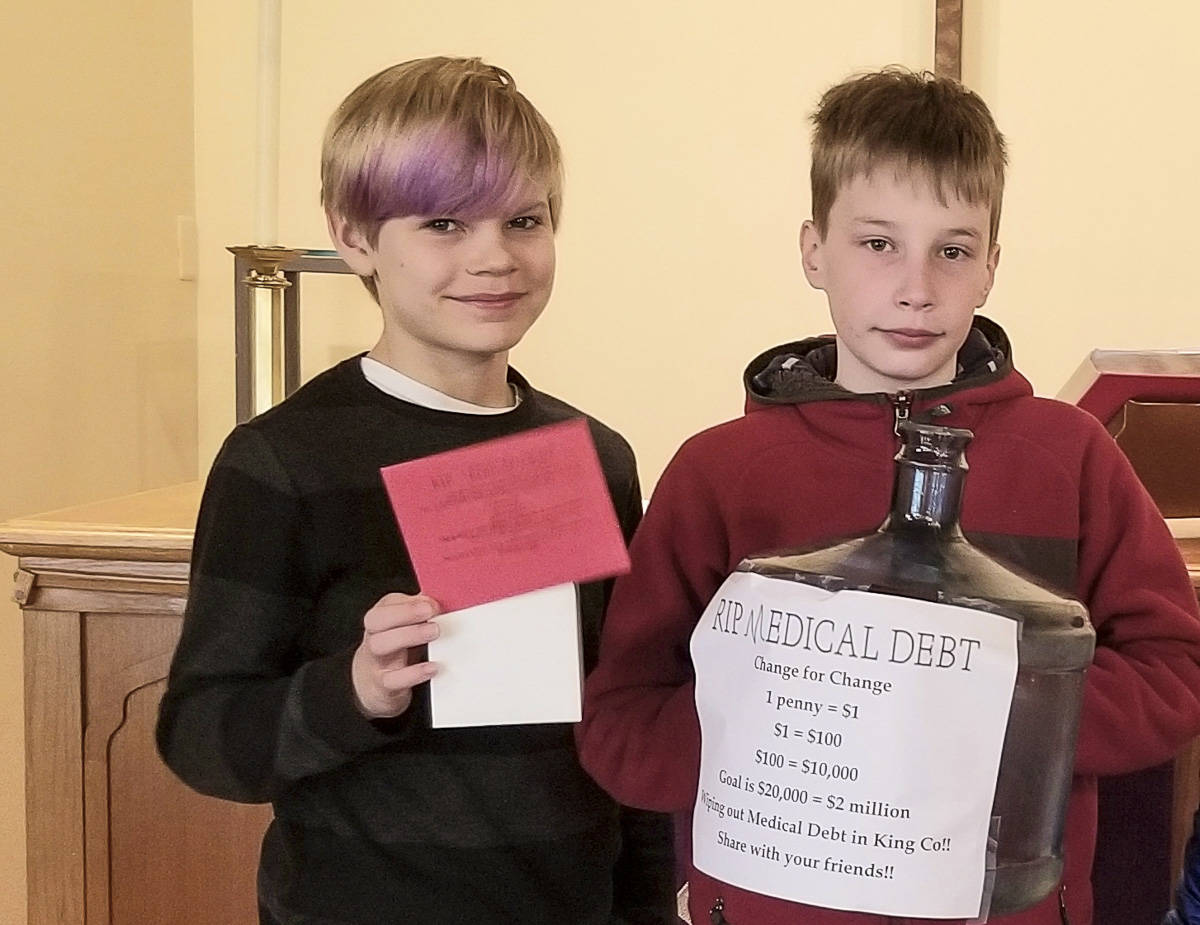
{"points": [[113, 837]]}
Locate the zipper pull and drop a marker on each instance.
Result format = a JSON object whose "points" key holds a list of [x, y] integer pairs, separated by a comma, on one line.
{"points": [[901, 405]]}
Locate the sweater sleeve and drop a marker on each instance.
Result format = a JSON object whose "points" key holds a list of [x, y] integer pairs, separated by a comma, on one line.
{"points": [[640, 737], [644, 875], [1142, 692], [244, 715]]}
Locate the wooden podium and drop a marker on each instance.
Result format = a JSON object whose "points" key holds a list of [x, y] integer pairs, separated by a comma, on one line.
{"points": [[112, 837]]}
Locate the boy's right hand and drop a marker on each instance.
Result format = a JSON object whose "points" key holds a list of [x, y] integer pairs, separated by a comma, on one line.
{"points": [[385, 670]]}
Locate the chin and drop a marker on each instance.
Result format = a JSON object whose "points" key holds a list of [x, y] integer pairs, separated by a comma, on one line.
{"points": [[491, 347], [490, 339], [922, 376]]}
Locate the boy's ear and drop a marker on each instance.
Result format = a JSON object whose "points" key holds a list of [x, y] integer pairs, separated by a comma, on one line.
{"points": [[993, 261], [352, 245], [811, 257]]}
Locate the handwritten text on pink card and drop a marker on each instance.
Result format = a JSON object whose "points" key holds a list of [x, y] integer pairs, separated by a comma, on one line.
{"points": [[510, 515]]}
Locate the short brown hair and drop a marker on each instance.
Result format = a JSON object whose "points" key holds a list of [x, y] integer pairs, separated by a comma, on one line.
{"points": [[435, 136], [915, 121]]}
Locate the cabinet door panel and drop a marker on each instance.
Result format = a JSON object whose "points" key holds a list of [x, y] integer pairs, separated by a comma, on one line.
{"points": [[176, 856], [157, 851]]}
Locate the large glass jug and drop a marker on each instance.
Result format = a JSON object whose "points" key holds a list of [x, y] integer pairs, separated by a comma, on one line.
{"points": [[920, 552]]}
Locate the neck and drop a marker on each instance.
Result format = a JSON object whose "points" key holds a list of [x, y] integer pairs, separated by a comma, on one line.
{"points": [[479, 380]]}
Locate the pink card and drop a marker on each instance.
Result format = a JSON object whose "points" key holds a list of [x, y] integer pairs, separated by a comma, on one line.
{"points": [[507, 516]]}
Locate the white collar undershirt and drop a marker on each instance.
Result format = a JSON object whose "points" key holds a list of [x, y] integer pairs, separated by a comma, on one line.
{"points": [[395, 383]]}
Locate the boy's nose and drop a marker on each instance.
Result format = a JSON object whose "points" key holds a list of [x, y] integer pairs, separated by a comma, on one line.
{"points": [[916, 287], [490, 255]]}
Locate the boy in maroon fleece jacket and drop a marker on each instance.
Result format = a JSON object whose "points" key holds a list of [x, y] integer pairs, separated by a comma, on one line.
{"points": [[907, 181]]}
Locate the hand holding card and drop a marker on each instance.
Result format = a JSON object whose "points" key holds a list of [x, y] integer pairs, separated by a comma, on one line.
{"points": [[486, 523]]}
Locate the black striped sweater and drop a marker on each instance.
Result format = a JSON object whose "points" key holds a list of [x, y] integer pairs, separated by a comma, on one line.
{"points": [[381, 821]]}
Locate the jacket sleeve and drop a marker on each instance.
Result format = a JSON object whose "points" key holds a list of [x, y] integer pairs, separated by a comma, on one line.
{"points": [[640, 738], [644, 876], [1142, 693], [245, 714]]}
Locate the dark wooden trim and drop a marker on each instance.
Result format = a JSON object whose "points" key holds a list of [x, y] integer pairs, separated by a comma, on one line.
{"points": [[947, 44]]}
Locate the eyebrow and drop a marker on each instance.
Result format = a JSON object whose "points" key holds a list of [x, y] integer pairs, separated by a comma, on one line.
{"points": [[951, 232]]}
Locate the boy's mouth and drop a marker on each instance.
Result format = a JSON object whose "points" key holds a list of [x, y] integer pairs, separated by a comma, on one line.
{"points": [[909, 337], [489, 299]]}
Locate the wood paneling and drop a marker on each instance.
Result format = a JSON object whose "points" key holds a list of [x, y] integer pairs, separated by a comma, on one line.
{"points": [[54, 768], [113, 837]]}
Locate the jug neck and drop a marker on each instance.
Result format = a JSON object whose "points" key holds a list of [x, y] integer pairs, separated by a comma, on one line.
{"points": [[931, 471]]}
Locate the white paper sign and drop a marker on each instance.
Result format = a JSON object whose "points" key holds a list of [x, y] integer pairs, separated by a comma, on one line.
{"points": [[516, 660], [850, 745]]}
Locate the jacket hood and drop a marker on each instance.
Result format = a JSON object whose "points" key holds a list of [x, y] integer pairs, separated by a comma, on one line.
{"points": [[804, 370]]}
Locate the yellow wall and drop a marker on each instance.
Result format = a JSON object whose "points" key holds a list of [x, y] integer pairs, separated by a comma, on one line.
{"points": [[684, 132], [685, 137], [1099, 103], [99, 337]]}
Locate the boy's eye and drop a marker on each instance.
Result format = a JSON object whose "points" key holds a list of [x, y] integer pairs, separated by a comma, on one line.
{"points": [[525, 222], [953, 252], [441, 224], [879, 245]]}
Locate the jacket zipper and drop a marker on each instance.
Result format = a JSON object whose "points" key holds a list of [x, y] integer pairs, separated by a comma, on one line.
{"points": [[902, 407], [902, 403], [716, 915]]}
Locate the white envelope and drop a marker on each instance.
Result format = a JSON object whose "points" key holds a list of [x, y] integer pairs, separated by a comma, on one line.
{"points": [[516, 660]]}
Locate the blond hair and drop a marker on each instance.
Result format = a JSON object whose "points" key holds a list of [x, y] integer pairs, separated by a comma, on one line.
{"points": [[916, 122]]}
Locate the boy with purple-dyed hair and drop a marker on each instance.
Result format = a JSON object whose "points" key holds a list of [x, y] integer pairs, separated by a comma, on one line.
{"points": [[299, 675], [395, 147]]}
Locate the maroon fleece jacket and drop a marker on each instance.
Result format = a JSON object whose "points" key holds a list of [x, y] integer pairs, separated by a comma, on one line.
{"points": [[1048, 490]]}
